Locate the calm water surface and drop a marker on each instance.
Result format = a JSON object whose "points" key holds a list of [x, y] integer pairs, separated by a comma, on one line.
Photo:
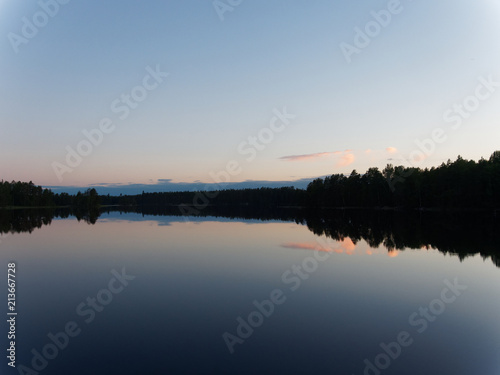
{"points": [[220, 296]]}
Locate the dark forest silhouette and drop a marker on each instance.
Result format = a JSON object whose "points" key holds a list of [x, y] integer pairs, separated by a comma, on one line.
{"points": [[462, 184], [27, 194], [458, 185], [453, 185]]}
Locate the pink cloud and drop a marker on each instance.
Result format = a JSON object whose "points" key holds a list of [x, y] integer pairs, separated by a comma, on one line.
{"points": [[345, 246], [306, 156], [347, 157], [345, 160], [391, 150], [393, 253], [304, 246], [348, 244], [419, 157]]}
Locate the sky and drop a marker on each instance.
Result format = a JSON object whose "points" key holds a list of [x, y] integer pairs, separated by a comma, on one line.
{"points": [[183, 93]]}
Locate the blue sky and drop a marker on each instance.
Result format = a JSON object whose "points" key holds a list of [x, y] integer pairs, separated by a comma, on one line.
{"points": [[228, 77]]}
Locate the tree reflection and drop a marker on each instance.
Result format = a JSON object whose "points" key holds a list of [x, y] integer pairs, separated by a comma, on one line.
{"points": [[27, 220], [17, 221], [458, 234]]}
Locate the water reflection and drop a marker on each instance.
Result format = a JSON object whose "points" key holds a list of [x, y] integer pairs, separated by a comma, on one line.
{"points": [[461, 235], [195, 279], [344, 246], [27, 220]]}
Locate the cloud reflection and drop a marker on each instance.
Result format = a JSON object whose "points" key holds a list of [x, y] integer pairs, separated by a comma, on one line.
{"points": [[344, 246]]}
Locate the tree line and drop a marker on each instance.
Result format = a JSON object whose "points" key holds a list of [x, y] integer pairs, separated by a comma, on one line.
{"points": [[461, 184], [27, 194], [199, 200]]}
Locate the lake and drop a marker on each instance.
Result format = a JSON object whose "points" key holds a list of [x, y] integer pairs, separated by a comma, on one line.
{"points": [[338, 293]]}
